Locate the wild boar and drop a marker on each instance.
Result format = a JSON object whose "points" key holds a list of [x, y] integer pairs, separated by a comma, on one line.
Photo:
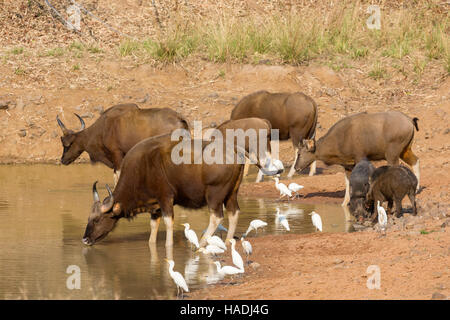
{"points": [[392, 184], [359, 186]]}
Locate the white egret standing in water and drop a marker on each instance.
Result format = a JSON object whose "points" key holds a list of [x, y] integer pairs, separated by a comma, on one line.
{"points": [[382, 217], [254, 225], [237, 259], [177, 278], [284, 191], [283, 220], [216, 241], [294, 187], [190, 235], [316, 220]]}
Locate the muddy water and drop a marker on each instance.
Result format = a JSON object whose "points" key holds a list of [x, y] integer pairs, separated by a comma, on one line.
{"points": [[44, 210]]}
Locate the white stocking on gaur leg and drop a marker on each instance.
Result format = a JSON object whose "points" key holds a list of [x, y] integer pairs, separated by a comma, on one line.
{"points": [[292, 171], [233, 218], [347, 188]]}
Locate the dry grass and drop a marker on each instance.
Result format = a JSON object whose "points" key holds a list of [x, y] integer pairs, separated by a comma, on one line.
{"points": [[417, 32]]}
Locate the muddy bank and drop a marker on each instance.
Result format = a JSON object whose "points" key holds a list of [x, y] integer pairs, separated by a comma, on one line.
{"points": [[413, 264]]}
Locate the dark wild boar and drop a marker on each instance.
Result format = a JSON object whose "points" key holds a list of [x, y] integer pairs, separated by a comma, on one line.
{"points": [[359, 186], [392, 184]]}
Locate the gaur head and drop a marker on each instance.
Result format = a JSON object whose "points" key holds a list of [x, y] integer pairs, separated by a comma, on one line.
{"points": [[103, 217], [306, 154], [73, 147]]}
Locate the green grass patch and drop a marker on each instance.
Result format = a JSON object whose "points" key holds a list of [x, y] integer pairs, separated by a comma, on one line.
{"points": [[378, 72], [55, 52], [17, 50]]}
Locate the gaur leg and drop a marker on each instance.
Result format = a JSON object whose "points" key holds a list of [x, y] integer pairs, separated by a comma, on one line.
{"points": [[312, 169], [246, 166], [347, 187], [167, 213], [260, 176], [232, 207], [215, 218], [413, 161], [154, 225], [292, 171]]}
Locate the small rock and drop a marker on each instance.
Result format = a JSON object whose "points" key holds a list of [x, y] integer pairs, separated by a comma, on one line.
{"points": [[438, 296], [296, 273], [338, 261], [447, 131], [437, 274], [22, 133], [4, 104], [213, 125], [255, 265], [213, 95]]}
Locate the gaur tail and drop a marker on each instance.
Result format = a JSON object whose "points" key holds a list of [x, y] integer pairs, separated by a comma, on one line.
{"points": [[415, 123]]}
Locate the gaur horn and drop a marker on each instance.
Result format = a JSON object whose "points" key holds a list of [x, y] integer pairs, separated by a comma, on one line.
{"points": [[83, 125], [94, 191], [61, 124], [108, 202]]}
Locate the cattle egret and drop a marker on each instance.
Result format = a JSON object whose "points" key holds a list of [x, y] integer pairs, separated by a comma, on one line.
{"points": [[295, 188], [316, 220], [177, 278], [282, 219], [211, 249], [247, 246], [190, 235], [284, 191], [278, 164], [227, 270], [382, 217], [255, 224], [237, 259], [216, 241]]}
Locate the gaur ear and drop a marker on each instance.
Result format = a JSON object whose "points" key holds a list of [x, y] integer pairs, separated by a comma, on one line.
{"points": [[116, 209], [309, 144]]}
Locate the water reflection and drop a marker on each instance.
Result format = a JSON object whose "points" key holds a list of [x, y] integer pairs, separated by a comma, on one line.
{"points": [[44, 210]]}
